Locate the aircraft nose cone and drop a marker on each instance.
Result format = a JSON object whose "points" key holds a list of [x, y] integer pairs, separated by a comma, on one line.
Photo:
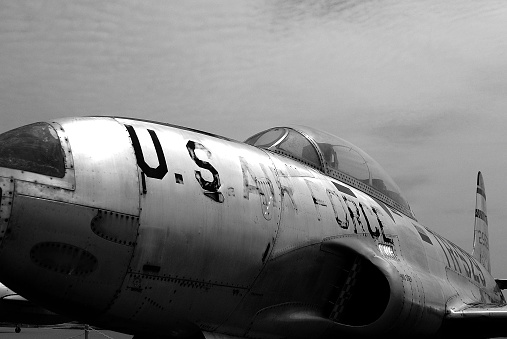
{"points": [[66, 256], [67, 219], [31, 153], [46, 249]]}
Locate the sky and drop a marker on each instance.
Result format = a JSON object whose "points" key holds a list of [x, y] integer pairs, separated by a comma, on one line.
{"points": [[419, 85]]}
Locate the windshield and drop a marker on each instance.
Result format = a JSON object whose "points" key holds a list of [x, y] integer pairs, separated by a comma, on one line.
{"points": [[33, 148], [339, 157]]}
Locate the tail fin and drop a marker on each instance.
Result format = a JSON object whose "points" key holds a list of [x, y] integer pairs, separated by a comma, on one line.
{"points": [[481, 238]]}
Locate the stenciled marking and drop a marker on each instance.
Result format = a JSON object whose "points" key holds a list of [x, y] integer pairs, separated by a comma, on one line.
{"points": [[359, 212], [355, 216], [161, 170], [460, 261], [339, 213], [210, 187], [317, 201], [385, 238], [261, 186], [374, 234], [483, 239], [286, 189], [345, 208]]}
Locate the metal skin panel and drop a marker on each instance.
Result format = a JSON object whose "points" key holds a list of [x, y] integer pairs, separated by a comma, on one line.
{"points": [[66, 229], [208, 224], [292, 286], [170, 232], [55, 218], [181, 220], [6, 196], [301, 221], [105, 168], [312, 210]]}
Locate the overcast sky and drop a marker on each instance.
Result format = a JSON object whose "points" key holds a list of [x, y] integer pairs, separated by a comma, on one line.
{"points": [[419, 85]]}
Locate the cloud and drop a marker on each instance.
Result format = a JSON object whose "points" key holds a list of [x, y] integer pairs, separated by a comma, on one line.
{"points": [[415, 127], [411, 181]]}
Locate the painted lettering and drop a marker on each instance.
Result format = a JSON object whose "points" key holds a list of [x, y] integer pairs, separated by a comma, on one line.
{"points": [[354, 213], [439, 241], [338, 208], [482, 237], [374, 234], [262, 186], [458, 258], [454, 255], [316, 200], [286, 189], [479, 270], [161, 170], [248, 175], [449, 254], [385, 238], [468, 270], [210, 187]]}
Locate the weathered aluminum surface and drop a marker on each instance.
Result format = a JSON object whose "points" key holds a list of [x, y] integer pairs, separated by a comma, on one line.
{"points": [[6, 198], [170, 230], [52, 242], [199, 232], [104, 165]]}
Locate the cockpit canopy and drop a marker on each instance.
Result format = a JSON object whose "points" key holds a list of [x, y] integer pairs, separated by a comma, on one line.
{"points": [[336, 158], [33, 148]]}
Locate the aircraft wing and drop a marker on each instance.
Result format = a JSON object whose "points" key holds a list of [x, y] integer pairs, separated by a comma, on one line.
{"points": [[470, 312], [476, 320], [14, 297]]}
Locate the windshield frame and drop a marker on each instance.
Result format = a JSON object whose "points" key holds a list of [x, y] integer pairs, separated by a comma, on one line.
{"points": [[68, 181], [377, 176]]}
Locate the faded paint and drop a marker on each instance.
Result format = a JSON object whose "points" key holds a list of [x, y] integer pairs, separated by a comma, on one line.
{"points": [[212, 234]]}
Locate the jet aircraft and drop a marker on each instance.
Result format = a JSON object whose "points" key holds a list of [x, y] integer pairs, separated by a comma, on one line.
{"points": [[162, 231]]}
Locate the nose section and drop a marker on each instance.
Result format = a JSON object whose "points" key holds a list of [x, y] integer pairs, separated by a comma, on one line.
{"points": [[6, 193], [69, 217], [34, 153], [65, 255]]}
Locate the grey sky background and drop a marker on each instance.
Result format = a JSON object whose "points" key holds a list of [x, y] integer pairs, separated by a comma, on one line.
{"points": [[419, 85]]}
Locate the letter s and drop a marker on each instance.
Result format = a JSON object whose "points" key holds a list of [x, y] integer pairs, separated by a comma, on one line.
{"points": [[211, 186]]}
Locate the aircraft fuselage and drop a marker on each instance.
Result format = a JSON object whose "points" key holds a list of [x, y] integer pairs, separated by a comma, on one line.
{"points": [[155, 229]]}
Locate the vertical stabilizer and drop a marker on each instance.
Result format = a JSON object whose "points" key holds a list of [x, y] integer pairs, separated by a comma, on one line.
{"points": [[481, 238]]}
